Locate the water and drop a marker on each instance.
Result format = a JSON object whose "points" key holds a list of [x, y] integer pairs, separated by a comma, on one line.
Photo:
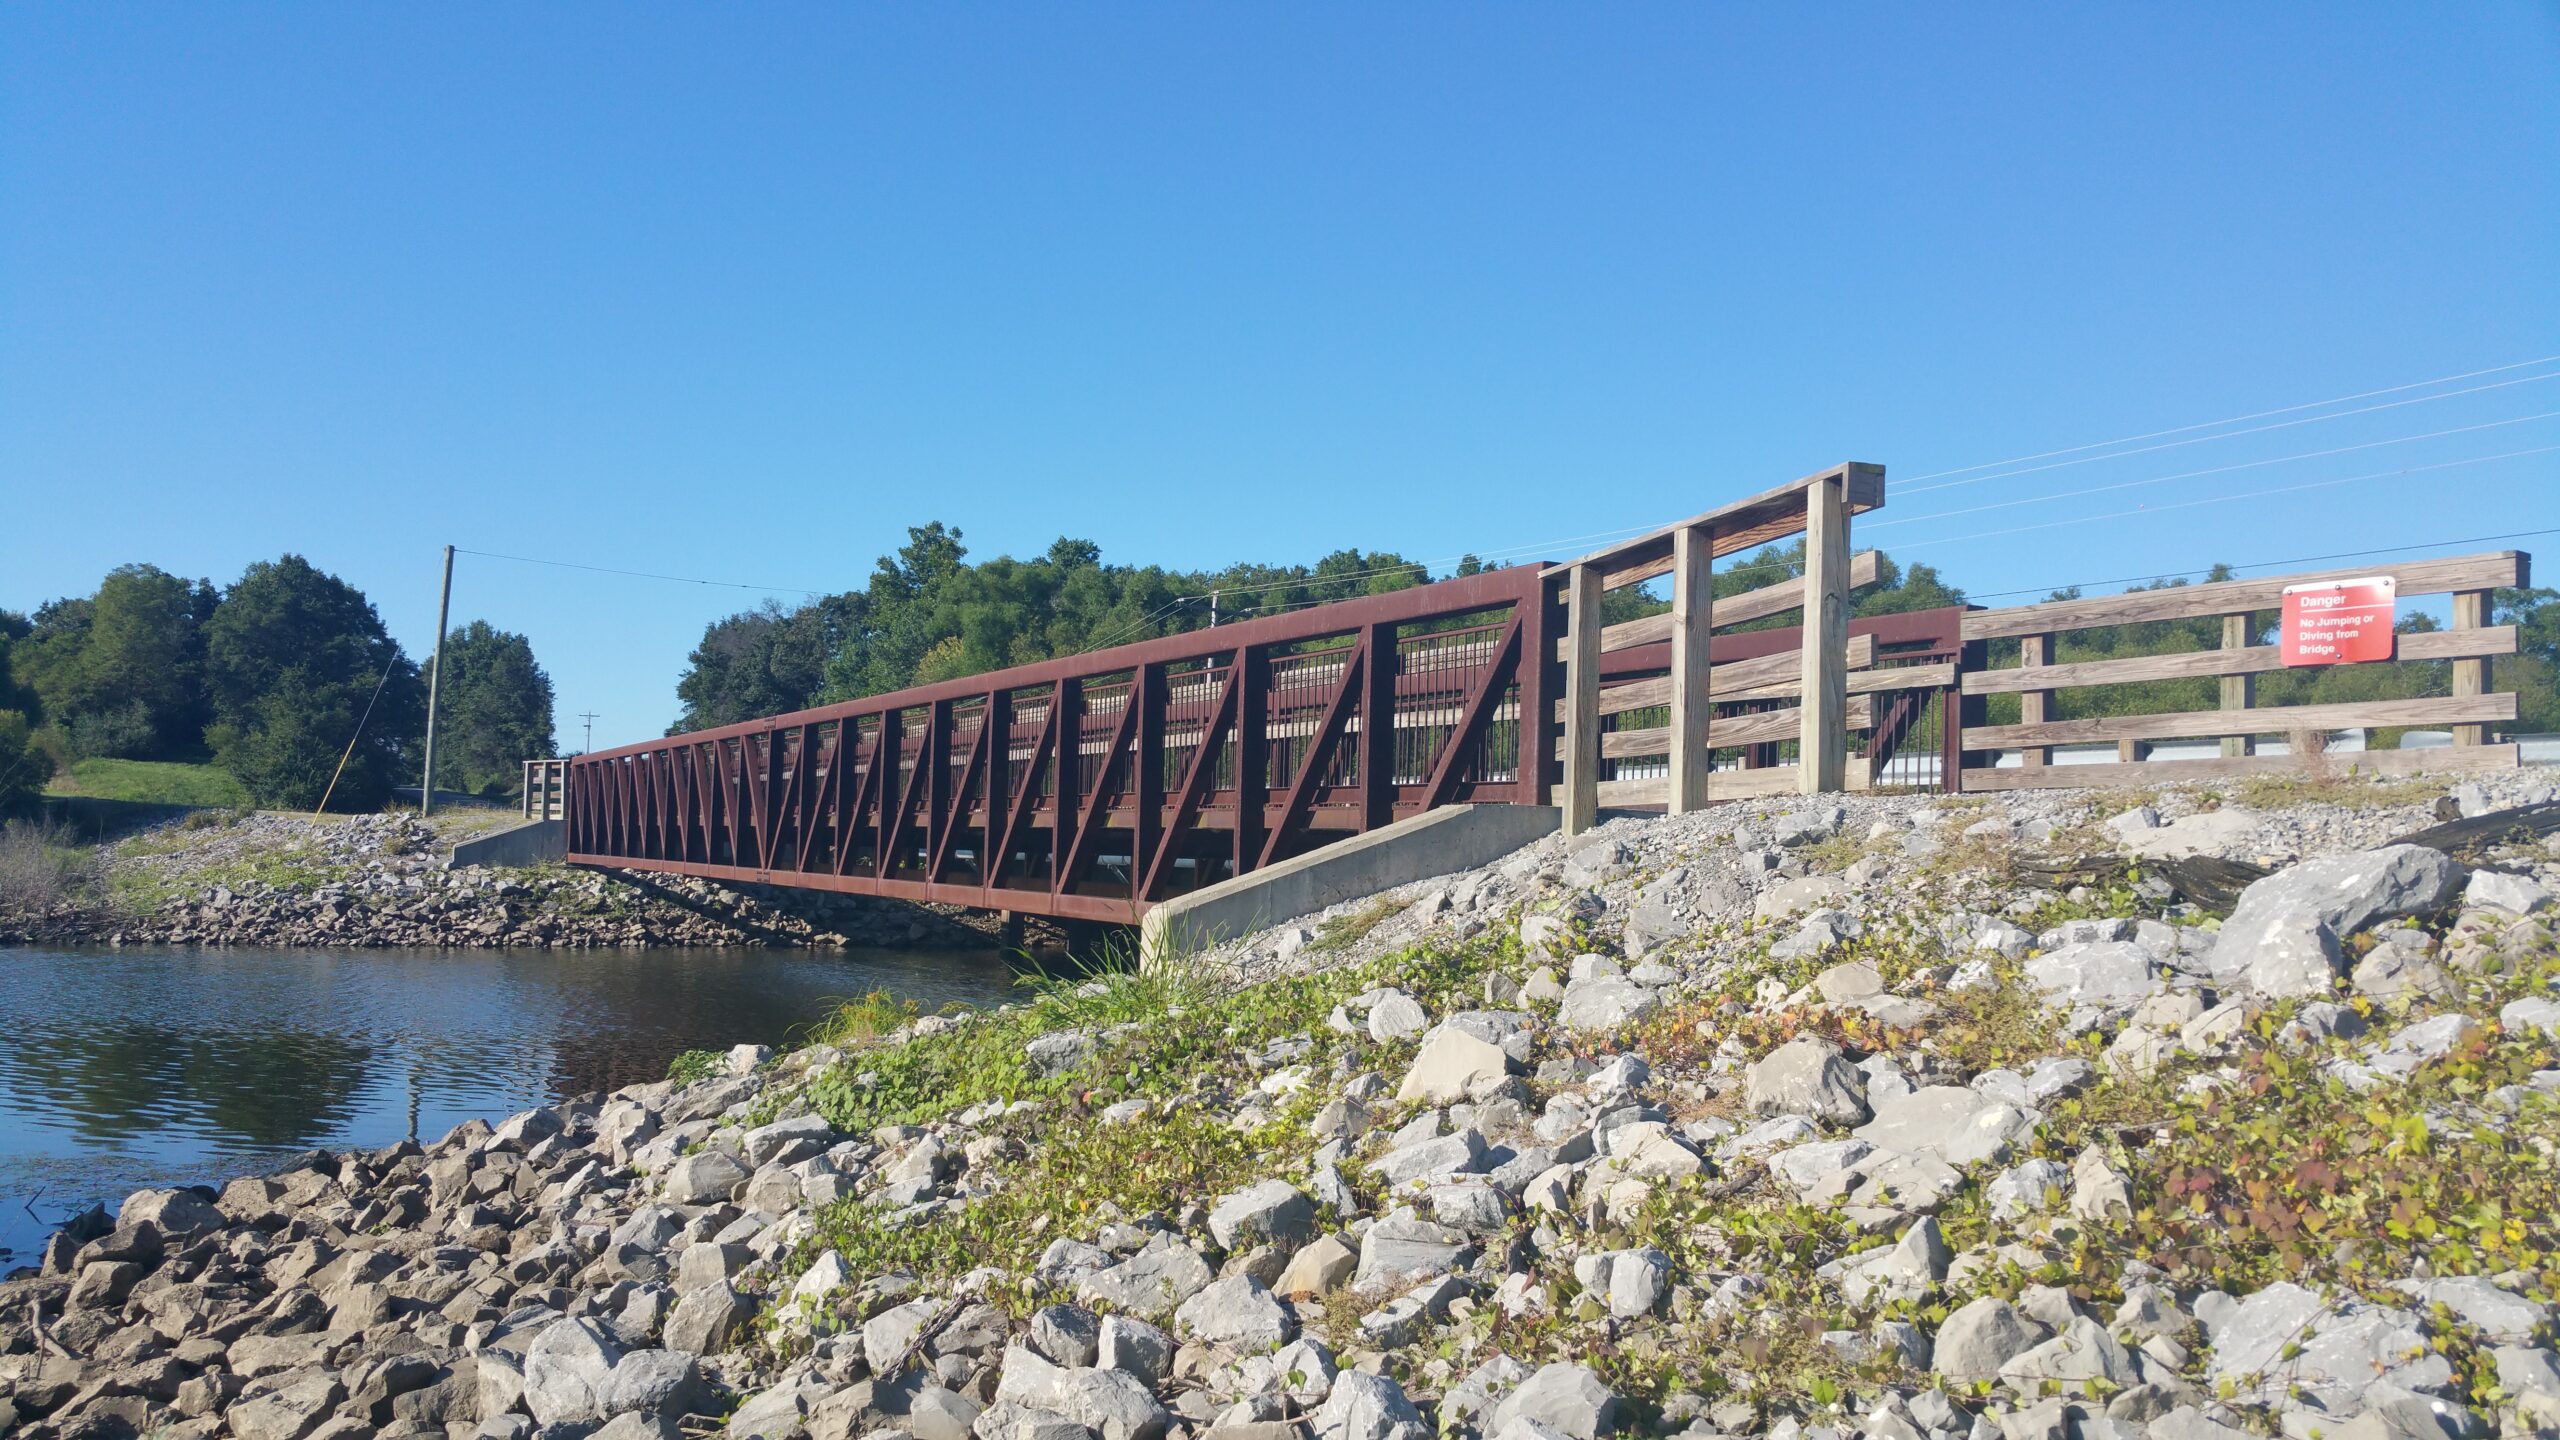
{"points": [[121, 1068]]}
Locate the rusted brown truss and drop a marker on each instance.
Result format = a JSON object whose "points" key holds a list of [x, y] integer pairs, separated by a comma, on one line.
{"points": [[1093, 786]]}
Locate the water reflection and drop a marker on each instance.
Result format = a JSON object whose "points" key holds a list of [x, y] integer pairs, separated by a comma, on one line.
{"points": [[122, 1068]]}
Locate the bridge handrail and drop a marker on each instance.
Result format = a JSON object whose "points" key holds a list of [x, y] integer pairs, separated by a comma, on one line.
{"points": [[1445, 599]]}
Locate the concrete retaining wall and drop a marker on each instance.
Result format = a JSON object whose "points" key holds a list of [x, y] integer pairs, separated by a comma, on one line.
{"points": [[531, 843], [1453, 838]]}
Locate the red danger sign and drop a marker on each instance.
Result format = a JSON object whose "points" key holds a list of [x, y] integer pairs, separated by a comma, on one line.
{"points": [[2338, 622]]}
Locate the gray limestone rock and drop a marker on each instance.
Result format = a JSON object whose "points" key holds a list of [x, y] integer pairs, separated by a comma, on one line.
{"points": [[1807, 1076], [1136, 1347], [1453, 1066], [1236, 1312], [1405, 1247], [1151, 1282], [1271, 1210], [2098, 972], [1602, 1003], [2283, 936], [1563, 1395], [2081, 1353], [1980, 1337], [1957, 1125], [703, 1321], [1068, 1335], [1368, 1407], [654, 1382], [705, 1177], [1630, 1282], [566, 1372]]}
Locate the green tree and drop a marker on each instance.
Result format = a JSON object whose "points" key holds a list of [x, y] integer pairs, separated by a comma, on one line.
{"points": [[493, 710], [2533, 672], [23, 766], [293, 659], [15, 694], [763, 661], [121, 671]]}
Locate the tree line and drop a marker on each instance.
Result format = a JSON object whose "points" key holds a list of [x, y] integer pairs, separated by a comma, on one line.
{"points": [[929, 613], [269, 679]]}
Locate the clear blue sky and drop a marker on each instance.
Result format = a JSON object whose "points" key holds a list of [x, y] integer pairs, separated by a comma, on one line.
{"points": [[742, 292]]}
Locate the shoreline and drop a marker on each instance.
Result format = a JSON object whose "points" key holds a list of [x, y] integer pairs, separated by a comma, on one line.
{"points": [[1807, 1121], [374, 881]]}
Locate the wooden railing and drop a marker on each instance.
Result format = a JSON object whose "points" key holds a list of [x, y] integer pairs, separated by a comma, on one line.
{"points": [[1689, 686], [546, 789], [2468, 709]]}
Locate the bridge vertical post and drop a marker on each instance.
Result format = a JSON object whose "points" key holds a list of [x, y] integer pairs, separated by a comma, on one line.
{"points": [[1692, 622], [936, 752], [1582, 700], [1823, 735], [1541, 688], [1253, 754], [1068, 703], [884, 759], [1146, 773], [1378, 727], [998, 723]]}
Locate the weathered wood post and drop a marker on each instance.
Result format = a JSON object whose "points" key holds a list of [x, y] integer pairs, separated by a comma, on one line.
{"points": [[2035, 706], [2239, 692], [1823, 740], [2470, 677], [1692, 708], [1582, 700]]}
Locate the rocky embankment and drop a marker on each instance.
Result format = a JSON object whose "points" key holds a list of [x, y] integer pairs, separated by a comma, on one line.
{"points": [[382, 880], [1900, 1119]]}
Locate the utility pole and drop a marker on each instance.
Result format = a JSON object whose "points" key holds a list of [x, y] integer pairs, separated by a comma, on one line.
{"points": [[1213, 609], [435, 672], [590, 717]]}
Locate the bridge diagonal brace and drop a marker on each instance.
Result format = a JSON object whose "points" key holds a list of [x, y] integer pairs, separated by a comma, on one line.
{"points": [[1018, 812], [814, 804], [786, 786], [1302, 789], [1088, 831], [947, 828], [863, 782], [895, 832], [1472, 718], [1195, 781]]}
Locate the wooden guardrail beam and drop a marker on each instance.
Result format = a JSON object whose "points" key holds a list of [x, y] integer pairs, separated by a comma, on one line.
{"points": [[1763, 677], [2206, 664], [2458, 709], [2491, 571], [1733, 784], [1754, 520], [2171, 772], [1732, 731], [1730, 610]]}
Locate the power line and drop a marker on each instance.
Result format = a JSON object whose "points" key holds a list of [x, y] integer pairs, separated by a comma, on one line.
{"points": [[2233, 420], [2273, 564], [645, 574], [2212, 470], [2227, 499], [2230, 434]]}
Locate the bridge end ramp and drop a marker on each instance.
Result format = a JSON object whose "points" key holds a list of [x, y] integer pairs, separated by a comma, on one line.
{"points": [[531, 843], [1438, 842]]}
